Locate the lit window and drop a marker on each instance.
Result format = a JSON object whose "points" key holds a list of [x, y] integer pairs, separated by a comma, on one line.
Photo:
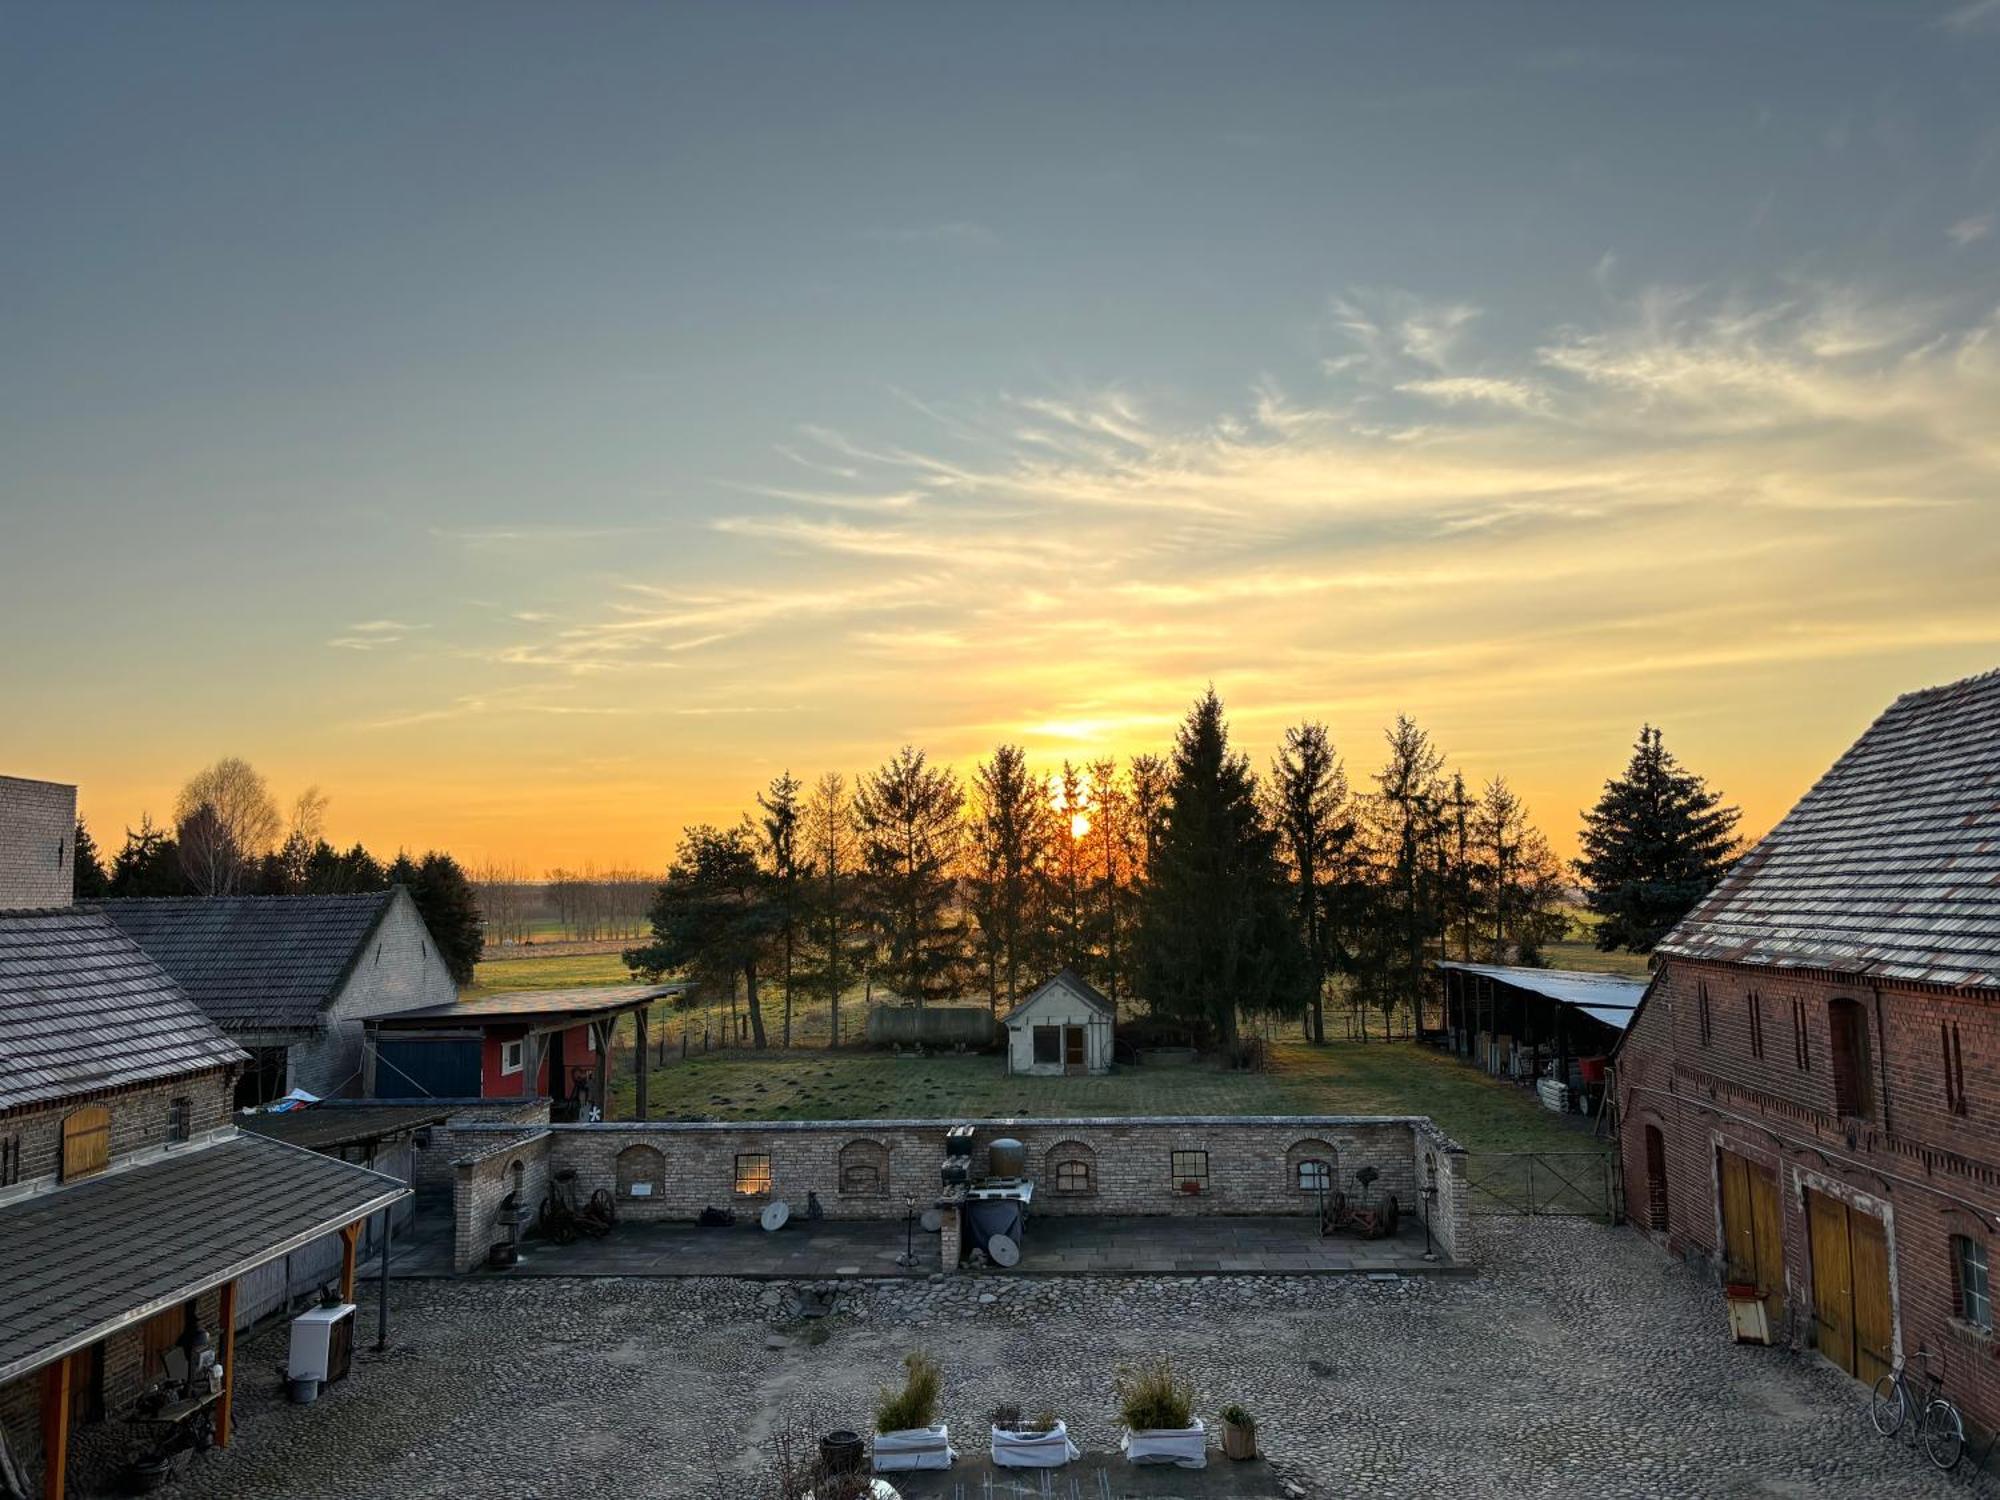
{"points": [[1072, 1176], [753, 1173], [510, 1057], [1975, 1302], [1315, 1177], [1190, 1171]]}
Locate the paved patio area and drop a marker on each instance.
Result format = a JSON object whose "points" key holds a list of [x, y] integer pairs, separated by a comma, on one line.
{"points": [[1083, 1246], [1095, 1476]]}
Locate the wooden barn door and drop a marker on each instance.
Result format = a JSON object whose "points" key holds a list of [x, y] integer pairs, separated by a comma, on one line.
{"points": [[1752, 1228], [1874, 1316], [1833, 1283]]}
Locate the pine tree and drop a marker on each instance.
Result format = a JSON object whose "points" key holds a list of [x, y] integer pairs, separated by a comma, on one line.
{"points": [[1408, 823], [1310, 807], [712, 918], [1007, 885], [449, 906], [91, 883], [1066, 831], [148, 865], [1215, 930], [1655, 844], [780, 829], [836, 949], [908, 816], [1518, 898], [1113, 841]]}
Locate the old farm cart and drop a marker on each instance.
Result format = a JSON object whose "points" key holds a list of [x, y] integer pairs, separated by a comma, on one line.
{"points": [[1556, 1184]]}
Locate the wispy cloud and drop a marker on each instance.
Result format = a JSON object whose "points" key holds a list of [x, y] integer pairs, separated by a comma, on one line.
{"points": [[1978, 15], [1971, 230]]}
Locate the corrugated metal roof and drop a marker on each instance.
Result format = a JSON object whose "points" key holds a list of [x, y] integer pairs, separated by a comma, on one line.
{"points": [[82, 1008], [1889, 867], [534, 1005], [321, 1126], [1610, 998], [256, 963], [82, 1262]]}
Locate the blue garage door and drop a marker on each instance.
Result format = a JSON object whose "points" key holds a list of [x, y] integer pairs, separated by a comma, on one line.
{"points": [[427, 1067]]}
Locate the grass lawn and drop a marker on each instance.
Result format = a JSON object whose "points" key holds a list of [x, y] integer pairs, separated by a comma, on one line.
{"points": [[1379, 1078], [498, 975]]}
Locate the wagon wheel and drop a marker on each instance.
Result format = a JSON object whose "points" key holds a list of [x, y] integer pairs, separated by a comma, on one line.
{"points": [[604, 1206], [1390, 1216]]}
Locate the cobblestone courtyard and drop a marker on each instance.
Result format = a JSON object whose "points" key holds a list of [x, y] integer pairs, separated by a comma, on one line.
{"points": [[1581, 1363]]}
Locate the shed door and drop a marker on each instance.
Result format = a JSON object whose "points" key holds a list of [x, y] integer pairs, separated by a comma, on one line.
{"points": [[1833, 1281], [1874, 1318], [1073, 1047], [1752, 1227]]}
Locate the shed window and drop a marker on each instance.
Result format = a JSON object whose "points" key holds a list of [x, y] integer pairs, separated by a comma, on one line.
{"points": [[1190, 1171], [1073, 1176], [86, 1141], [753, 1173], [1975, 1301], [1048, 1044], [1315, 1177], [510, 1057]]}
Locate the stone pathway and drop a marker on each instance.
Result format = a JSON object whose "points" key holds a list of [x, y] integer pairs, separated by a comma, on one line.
{"points": [[1580, 1362]]}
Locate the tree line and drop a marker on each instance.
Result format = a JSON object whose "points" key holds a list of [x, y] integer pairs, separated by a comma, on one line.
{"points": [[1187, 883], [229, 839]]}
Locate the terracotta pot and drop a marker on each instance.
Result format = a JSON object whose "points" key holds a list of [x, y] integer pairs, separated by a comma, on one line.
{"points": [[1239, 1442]]}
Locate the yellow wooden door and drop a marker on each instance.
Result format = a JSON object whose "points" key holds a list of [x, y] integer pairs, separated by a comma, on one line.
{"points": [[1739, 1238], [1833, 1286], [1874, 1313], [1767, 1223]]}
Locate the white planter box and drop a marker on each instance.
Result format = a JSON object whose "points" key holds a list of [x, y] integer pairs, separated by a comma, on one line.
{"points": [[1186, 1449], [914, 1448], [1034, 1450]]}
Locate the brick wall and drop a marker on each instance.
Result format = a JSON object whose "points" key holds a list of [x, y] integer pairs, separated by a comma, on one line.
{"points": [[1251, 1164], [1925, 1169], [468, 1131], [139, 1122], [37, 851], [481, 1183], [399, 970]]}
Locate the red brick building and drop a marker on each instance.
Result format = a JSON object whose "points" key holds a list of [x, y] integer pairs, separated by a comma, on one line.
{"points": [[1809, 1095]]}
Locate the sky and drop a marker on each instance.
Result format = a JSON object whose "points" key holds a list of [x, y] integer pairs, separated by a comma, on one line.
{"points": [[539, 426]]}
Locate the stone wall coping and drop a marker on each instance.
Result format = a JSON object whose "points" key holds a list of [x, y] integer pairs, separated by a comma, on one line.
{"points": [[1422, 1123], [518, 1136]]}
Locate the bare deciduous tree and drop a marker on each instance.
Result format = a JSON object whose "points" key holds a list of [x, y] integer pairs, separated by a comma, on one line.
{"points": [[225, 821]]}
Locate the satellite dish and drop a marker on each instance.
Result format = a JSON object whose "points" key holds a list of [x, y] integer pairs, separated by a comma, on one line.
{"points": [[931, 1221], [1003, 1250], [775, 1216]]}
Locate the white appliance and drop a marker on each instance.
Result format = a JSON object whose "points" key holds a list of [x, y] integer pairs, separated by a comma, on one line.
{"points": [[322, 1343]]}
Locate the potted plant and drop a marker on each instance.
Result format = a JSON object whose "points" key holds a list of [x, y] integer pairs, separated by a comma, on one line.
{"points": [[1030, 1443], [1239, 1432], [908, 1434], [1160, 1424]]}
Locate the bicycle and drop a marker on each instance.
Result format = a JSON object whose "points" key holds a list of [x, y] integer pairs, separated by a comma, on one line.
{"points": [[1940, 1424]]}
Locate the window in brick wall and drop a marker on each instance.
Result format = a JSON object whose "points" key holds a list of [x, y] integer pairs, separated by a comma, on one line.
{"points": [[86, 1141], [753, 1173], [1975, 1299], [1073, 1176], [1315, 1177], [1801, 1048], [1702, 1016], [1190, 1171], [10, 1160], [1853, 1082], [1756, 1010], [1954, 1068], [180, 1120]]}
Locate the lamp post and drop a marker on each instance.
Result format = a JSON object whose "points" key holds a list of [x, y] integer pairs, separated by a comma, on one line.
{"points": [[1430, 1203], [909, 1232]]}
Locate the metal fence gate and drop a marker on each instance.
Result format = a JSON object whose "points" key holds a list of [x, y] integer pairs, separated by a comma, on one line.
{"points": [[1524, 1184]]}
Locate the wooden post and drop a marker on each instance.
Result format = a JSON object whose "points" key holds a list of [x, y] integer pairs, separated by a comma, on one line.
{"points": [[531, 1064], [349, 1237], [603, 1087], [223, 1407], [643, 1055], [55, 1428]]}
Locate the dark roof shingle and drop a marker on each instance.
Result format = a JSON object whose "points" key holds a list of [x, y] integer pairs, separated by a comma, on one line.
{"points": [[82, 1261], [1889, 867], [82, 1008], [255, 962]]}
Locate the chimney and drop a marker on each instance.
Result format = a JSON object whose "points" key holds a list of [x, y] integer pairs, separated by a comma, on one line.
{"points": [[37, 843]]}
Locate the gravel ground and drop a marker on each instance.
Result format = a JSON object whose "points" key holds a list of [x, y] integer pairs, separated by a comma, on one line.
{"points": [[1582, 1362]]}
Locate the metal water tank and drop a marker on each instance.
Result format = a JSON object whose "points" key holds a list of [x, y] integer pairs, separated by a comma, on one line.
{"points": [[1007, 1157]]}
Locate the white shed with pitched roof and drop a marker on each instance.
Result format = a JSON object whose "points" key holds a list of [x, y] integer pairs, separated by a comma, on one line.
{"points": [[1064, 1027]]}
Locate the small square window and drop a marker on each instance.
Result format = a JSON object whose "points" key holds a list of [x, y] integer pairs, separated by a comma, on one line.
{"points": [[753, 1173], [1190, 1171], [1073, 1177], [1975, 1300], [1048, 1044], [1315, 1177], [510, 1057]]}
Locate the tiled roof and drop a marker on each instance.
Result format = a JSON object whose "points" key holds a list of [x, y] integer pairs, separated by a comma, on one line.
{"points": [[535, 1005], [256, 962], [323, 1125], [82, 1008], [84, 1261], [1076, 984], [1889, 867]]}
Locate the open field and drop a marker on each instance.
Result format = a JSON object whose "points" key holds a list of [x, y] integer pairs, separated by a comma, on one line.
{"points": [[548, 972]]}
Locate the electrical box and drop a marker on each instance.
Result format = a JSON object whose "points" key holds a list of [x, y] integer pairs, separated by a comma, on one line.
{"points": [[322, 1344]]}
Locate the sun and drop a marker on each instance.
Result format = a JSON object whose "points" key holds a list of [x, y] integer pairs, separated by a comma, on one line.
{"points": [[1079, 825]]}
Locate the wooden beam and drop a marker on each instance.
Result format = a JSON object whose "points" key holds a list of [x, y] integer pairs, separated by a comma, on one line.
{"points": [[643, 1056], [349, 1239], [55, 1428], [224, 1407], [603, 1088]]}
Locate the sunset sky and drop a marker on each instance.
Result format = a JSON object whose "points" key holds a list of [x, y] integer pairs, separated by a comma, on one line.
{"points": [[540, 425]]}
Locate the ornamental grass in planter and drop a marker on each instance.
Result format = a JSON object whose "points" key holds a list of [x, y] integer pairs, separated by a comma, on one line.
{"points": [[1160, 1424], [1041, 1442], [908, 1434], [1239, 1432]]}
